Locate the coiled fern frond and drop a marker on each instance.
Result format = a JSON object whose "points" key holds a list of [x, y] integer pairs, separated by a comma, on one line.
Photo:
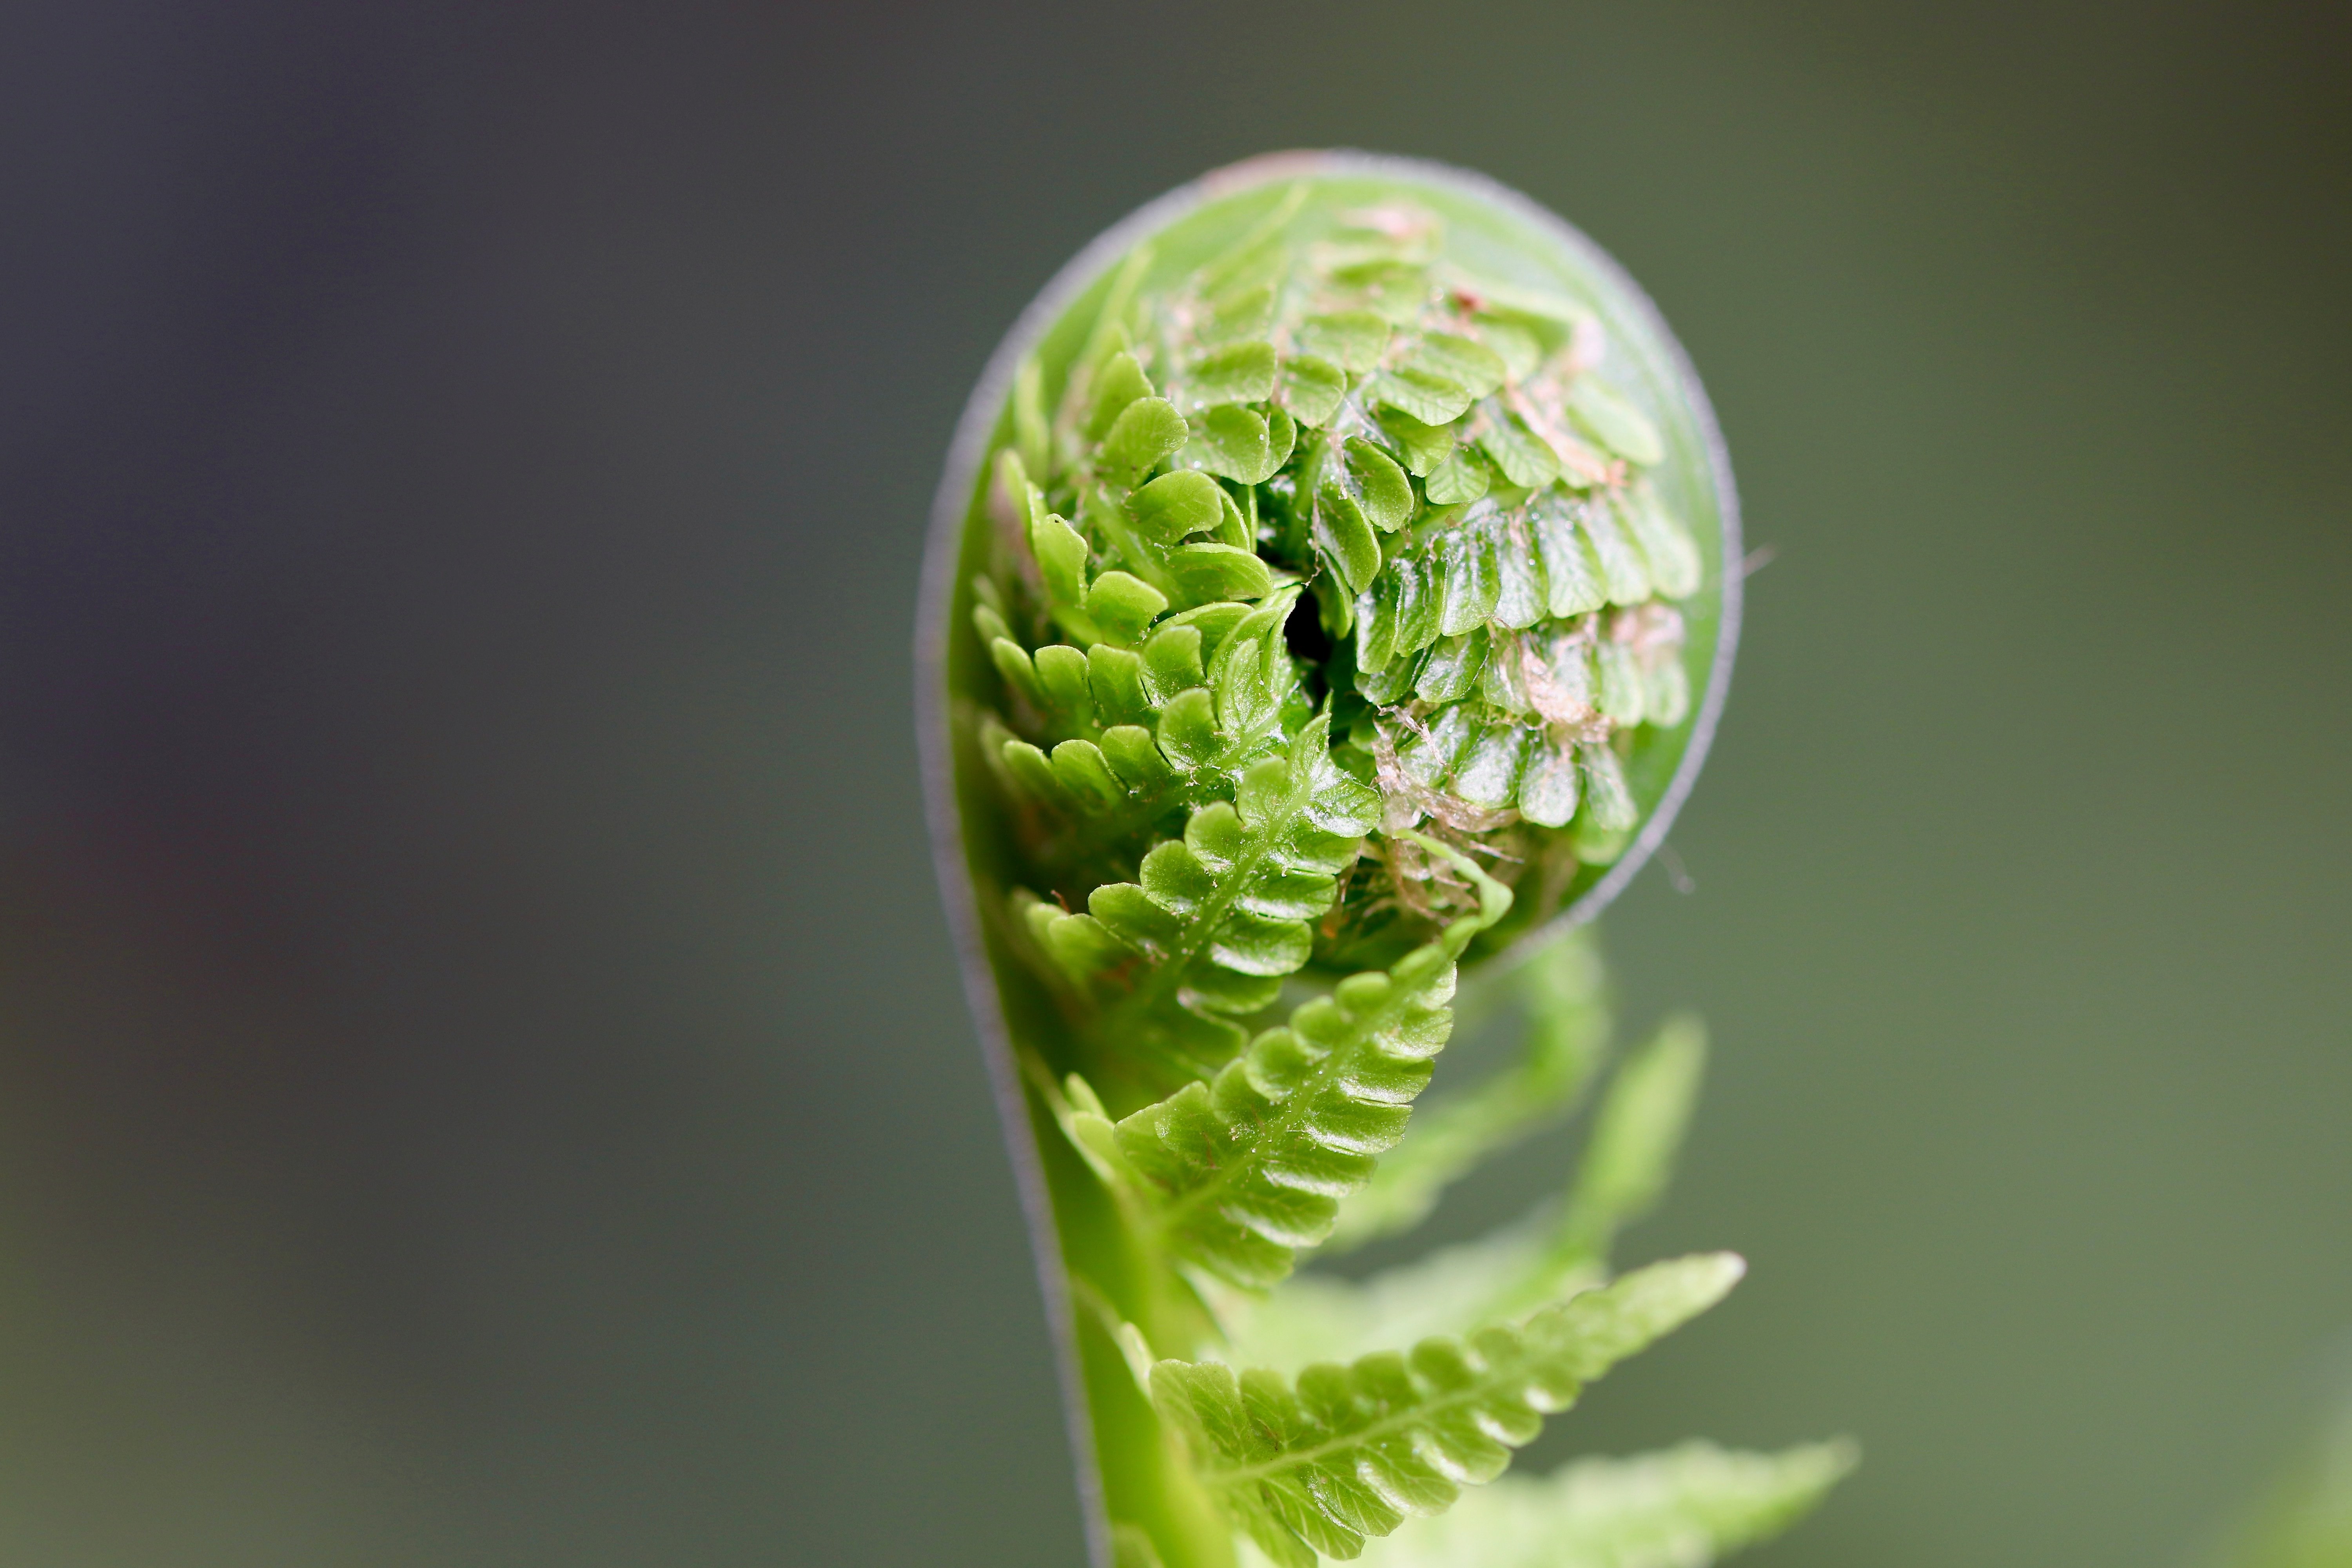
{"points": [[1329, 606]]}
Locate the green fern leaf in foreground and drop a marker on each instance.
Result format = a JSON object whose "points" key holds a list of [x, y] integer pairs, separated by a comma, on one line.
{"points": [[1550, 1256], [1320, 592], [1349, 1452], [1240, 1173]]}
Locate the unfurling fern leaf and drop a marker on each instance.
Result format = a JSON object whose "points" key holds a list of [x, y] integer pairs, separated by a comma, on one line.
{"points": [[1221, 914], [1559, 1249], [1350, 1452], [1319, 594], [1244, 1170]]}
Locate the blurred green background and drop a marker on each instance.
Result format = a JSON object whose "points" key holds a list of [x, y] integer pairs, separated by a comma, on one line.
{"points": [[481, 1075]]}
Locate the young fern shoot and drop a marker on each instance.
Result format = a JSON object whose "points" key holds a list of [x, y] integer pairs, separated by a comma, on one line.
{"points": [[1328, 608]]}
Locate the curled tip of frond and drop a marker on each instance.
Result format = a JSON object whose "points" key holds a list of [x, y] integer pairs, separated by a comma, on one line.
{"points": [[1334, 600], [1445, 510]]}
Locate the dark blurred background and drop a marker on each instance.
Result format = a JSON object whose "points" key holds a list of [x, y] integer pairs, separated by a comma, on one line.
{"points": [[483, 1079]]}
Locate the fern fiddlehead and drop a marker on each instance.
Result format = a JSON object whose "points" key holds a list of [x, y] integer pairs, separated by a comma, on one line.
{"points": [[1328, 602]]}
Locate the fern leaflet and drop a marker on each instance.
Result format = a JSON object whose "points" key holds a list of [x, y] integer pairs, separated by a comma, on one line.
{"points": [[1559, 1249], [1350, 1452], [1242, 1172], [1567, 1030], [1683, 1508]]}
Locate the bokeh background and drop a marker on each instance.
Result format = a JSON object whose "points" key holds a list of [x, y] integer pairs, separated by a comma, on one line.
{"points": [[481, 1075]]}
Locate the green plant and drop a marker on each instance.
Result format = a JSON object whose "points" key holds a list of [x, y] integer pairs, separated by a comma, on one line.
{"points": [[2304, 1519], [1312, 619]]}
